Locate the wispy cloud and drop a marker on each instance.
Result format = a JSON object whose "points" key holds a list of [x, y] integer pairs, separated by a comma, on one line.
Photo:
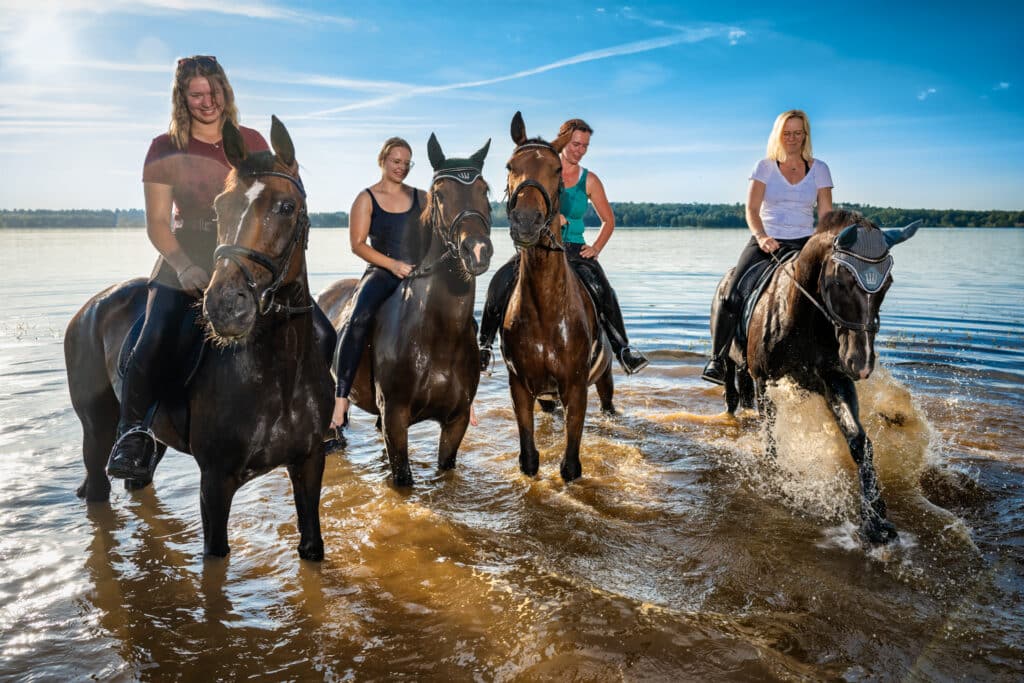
{"points": [[925, 94], [1002, 85], [680, 37], [733, 34]]}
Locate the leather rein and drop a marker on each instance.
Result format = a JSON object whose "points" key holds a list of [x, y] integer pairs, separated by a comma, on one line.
{"points": [[266, 301]]}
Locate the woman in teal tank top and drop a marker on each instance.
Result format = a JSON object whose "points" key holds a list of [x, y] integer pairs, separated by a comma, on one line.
{"points": [[580, 189]]}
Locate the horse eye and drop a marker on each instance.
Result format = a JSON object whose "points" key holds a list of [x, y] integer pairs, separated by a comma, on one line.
{"points": [[285, 208]]}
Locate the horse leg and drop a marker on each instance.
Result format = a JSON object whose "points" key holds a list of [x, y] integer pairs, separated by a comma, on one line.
{"points": [[451, 437], [99, 429], [307, 478], [745, 386], [575, 400], [216, 491], [732, 394], [522, 404], [396, 442], [768, 411], [841, 394], [605, 391]]}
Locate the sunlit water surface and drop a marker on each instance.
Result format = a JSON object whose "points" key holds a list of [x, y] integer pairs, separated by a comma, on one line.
{"points": [[679, 555]]}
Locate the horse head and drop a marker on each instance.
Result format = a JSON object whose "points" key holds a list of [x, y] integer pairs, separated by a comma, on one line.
{"points": [[855, 275], [261, 222], [459, 212], [534, 185]]}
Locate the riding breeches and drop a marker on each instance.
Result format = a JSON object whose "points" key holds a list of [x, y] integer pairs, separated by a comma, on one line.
{"points": [[376, 285], [590, 273], [145, 375]]}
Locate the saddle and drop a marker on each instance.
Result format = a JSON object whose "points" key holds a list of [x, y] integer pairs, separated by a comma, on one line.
{"points": [[751, 286], [188, 352]]}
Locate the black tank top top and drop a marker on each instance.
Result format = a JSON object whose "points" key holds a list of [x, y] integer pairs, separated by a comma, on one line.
{"points": [[387, 230]]}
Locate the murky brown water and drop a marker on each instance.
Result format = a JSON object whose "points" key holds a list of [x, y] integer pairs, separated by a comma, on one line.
{"points": [[680, 555]]}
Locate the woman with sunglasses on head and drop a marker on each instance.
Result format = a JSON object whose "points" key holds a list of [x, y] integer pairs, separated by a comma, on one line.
{"points": [[184, 171], [580, 188], [380, 214], [784, 188]]}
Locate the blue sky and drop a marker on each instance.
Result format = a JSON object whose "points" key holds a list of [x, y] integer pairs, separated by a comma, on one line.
{"points": [[914, 105]]}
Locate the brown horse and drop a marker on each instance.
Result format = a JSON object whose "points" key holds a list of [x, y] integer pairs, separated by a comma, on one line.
{"points": [[551, 338], [816, 324], [422, 361], [261, 395]]}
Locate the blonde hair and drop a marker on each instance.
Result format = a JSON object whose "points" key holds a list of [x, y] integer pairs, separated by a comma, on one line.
{"points": [[198, 66], [389, 145], [776, 152]]}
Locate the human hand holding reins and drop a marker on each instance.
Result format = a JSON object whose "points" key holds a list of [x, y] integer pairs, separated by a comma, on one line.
{"points": [[766, 243], [193, 279], [400, 269]]}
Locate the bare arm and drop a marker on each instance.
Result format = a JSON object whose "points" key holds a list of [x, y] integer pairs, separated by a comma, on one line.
{"points": [[359, 233], [595, 191], [824, 201], [755, 197], [159, 201]]}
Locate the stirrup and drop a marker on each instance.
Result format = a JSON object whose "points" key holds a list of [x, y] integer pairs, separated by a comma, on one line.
{"points": [[638, 359], [133, 470], [714, 372]]}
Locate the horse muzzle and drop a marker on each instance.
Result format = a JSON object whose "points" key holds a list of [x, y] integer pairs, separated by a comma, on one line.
{"points": [[230, 309], [857, 353], [475, 255]]}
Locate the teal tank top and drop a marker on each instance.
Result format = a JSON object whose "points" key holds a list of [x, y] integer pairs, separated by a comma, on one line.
{"points": [[574, 205]]}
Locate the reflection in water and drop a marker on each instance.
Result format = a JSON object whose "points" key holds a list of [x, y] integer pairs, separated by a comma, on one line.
{"points": [[681, 554]]}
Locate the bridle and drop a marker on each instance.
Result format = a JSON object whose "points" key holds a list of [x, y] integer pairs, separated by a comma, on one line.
{"points": [[265, 300], [550, 208], [843, 257], [467, 176]]}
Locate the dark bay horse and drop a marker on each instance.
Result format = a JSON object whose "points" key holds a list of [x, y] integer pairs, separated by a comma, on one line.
{"points": [[551, 338], [816, 324], [261, 395], [422, 361]]}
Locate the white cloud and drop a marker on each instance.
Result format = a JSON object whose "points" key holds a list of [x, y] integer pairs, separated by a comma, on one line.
{"points": [[1002, 85], [925, 94], [254, 9]]}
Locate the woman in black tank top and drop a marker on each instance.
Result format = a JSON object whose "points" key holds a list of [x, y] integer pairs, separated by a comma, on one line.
{"points": [[381, 215]]}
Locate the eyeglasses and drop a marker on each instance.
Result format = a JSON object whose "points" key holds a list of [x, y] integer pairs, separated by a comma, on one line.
{"points": [[793, 134], [405, 164], [204, 61]]}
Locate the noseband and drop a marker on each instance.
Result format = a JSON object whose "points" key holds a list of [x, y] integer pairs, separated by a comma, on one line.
{"points": [[550, 211], [265, 301], [466, 176]]}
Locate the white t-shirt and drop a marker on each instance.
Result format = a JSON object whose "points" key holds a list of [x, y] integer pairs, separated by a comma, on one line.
{"points": [[788, 210]]}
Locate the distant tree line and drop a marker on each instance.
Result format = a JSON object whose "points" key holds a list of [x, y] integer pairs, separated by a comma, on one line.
{"points": [[627, 214]]}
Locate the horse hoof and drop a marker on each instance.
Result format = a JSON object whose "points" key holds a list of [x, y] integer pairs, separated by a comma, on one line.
{"points": [[880, 531], [447, 464], [93, 494], [314, 552], [571, 473], [403, 480]]}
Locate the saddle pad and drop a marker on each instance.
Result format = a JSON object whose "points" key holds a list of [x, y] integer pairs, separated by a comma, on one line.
{"points": [[751, 289]]}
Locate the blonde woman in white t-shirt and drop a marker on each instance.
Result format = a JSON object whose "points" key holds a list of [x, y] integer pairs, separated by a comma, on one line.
{"points": [[784, 188]]}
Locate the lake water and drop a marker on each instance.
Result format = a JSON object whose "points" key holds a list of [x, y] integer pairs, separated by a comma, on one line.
{"points": [[679, 555]]}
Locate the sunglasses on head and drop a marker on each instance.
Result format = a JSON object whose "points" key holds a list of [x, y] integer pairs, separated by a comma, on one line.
{"points": [[204, 61]]}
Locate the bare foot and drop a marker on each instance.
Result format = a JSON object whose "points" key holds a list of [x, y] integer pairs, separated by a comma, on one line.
{"points": [[472, 416]]}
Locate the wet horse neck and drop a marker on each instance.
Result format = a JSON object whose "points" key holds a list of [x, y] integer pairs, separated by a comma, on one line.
{"points": [[545, 277], [447, 294]]}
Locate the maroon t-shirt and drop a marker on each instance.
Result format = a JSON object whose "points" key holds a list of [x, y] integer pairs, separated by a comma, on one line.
{"points": [[196, 177]]}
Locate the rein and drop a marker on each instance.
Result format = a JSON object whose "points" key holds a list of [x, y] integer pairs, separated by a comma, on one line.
{"points": [[466, 176], [266, 302], [549, 205]]}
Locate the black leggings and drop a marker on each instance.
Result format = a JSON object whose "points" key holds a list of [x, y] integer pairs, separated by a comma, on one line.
{"points": [[752, 255], [589, 271], [376, 285]]}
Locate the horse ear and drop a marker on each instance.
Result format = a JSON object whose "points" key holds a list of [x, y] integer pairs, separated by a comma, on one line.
{"points": [[847, 237], [894, 237], [234, 145], [281, 142], [561, 141], [518, 129], [481, 154], [434, 152]]}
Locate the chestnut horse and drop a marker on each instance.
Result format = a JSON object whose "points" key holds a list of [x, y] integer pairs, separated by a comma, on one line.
{"points": [[262, 394], [551, 338], [422, 361], [816, 324]]}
